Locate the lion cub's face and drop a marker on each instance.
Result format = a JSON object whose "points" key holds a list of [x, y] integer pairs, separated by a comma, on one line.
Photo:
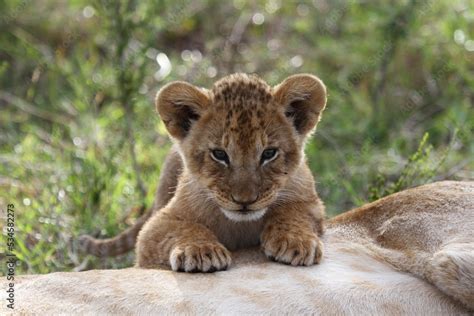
{"points": [[243, 139]]}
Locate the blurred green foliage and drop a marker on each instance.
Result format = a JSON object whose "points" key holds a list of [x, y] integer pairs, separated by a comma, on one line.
{"points": [[81, 145]]}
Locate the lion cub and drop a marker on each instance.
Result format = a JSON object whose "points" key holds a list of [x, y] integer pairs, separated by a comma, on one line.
{"points": [[244, 179]]}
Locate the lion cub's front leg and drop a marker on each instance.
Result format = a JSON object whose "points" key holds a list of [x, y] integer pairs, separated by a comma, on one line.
{"points": [[291, 234], [182, 245]]}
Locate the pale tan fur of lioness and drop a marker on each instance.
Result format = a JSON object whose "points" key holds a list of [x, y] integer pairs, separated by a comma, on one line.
{"points": [[426, 231]]}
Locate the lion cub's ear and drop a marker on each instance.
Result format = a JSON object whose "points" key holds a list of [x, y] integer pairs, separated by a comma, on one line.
{"points": [[304, 98], [180, 104]]}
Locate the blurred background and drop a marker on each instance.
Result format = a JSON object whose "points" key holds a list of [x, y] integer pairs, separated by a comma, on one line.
{"points": [[81, 145]]}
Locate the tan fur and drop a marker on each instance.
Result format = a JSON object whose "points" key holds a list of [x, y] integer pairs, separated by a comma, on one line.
{"points": [[367, 269], [254, 114], [427, 231], [245, 200]]}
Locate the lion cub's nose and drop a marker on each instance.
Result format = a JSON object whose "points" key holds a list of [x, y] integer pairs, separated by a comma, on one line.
{"points": [[244, 200]]}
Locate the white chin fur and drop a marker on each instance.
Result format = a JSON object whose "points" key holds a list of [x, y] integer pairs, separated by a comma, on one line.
{"points": [[247, 217]]}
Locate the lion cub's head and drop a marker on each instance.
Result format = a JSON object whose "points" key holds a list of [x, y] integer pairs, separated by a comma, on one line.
{"points": [[242, 139]]}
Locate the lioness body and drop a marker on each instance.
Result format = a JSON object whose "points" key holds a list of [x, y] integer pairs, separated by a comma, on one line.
{"points": [[427, 231], [357, 275]]}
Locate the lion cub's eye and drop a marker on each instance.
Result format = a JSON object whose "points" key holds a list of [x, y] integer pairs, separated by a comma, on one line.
{"points": [[269, 155], [220, 156]]}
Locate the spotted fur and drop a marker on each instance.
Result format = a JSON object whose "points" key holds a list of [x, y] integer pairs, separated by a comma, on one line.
{"points": [[223, 206], [243, 200]]}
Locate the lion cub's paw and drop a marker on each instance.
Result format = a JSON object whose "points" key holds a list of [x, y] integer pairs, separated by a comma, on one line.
{"points": [[292, 248], [200, 257]]}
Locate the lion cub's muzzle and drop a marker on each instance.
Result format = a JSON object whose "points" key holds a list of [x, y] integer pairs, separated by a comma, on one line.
{"points": [[247, 210], [245, 202]]}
